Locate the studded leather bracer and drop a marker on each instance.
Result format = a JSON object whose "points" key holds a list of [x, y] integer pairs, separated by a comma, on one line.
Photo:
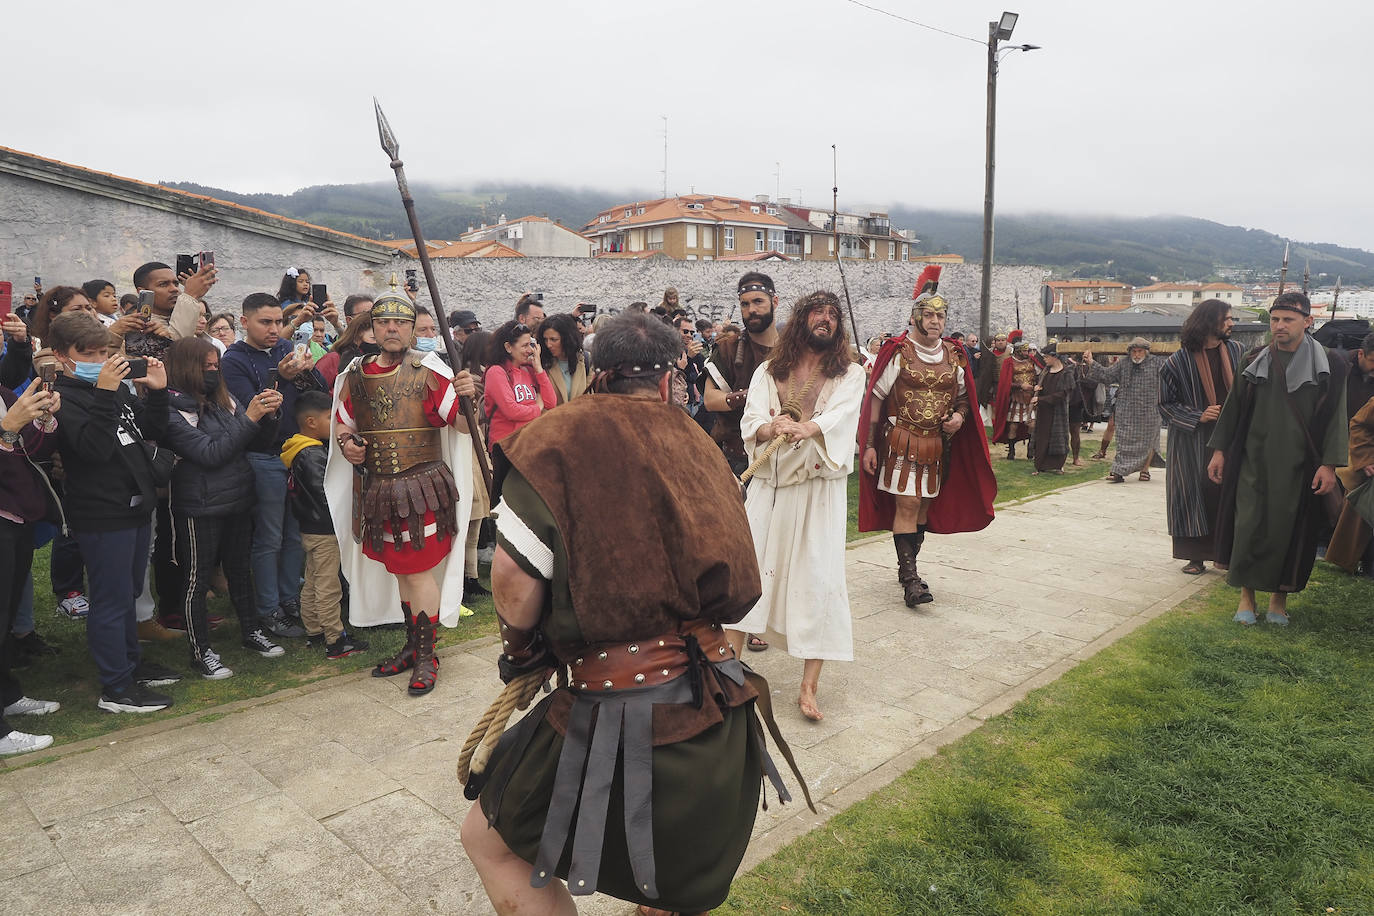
{"points": [[523, 651]]}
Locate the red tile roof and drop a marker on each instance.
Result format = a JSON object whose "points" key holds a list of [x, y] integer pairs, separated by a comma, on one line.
{"points": [[713, 209]]}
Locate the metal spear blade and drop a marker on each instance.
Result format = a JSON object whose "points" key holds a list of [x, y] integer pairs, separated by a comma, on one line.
{"points": [[389, 144]]}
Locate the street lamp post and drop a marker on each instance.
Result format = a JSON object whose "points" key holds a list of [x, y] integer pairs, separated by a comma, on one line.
{"points": [[998, 32]]}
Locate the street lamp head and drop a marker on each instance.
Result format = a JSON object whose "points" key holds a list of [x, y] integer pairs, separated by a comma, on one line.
{"points": [[1028, 48], [1005, 25]]}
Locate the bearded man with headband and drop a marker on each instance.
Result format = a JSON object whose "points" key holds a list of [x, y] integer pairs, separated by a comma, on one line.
{"points": [[734, 360], [925, 464], [807, 393], [400, 485]]}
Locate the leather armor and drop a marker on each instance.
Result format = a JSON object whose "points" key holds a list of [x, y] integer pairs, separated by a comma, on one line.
{"points": [[922, 398]]}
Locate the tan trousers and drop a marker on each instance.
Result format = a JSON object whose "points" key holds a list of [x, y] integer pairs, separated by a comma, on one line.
{"points": [[321, 594]]}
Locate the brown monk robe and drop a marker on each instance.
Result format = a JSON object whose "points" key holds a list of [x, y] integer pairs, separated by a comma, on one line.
{"points": [[1353, 532]]}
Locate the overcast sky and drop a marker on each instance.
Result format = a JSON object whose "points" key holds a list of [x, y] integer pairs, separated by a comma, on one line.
{"points": [[1247, 113]]}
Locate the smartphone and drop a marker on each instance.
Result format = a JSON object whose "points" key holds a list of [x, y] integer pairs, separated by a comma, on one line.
{"points": [[272, 376], [38, 282], [302, 350], [47, 375], [319, 293], [538, 297], [207, 259], [6, 297], [588, 310], [186, 264], [138, 368], [145, 303]]}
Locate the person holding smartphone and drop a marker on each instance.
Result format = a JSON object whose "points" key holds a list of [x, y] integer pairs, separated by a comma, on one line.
{"points": [[176, 309], [110, 494], [28, 425]]}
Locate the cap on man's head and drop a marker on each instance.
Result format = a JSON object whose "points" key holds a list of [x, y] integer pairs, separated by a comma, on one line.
{"points": [[390, 305], [1293, 302], [461, 319], [1139, 343]]}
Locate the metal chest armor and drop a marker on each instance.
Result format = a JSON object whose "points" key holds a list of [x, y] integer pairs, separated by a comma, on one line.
{"points": [[922, 398], [1022, 372], [390, 412], [405, 476]]}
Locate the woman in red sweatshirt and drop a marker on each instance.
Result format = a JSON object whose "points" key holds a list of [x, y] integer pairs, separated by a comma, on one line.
{"points": [[515, 389]]}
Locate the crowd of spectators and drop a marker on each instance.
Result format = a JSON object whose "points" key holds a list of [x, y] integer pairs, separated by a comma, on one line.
{"points": [[168, 451]]}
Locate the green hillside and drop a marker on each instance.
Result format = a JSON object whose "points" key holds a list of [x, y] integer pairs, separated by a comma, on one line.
{"points": [[1131, 250]]}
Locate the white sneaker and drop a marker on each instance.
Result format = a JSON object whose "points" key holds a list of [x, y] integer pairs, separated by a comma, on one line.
{"points": [[74, 605], [27, 706], [21, 743]]}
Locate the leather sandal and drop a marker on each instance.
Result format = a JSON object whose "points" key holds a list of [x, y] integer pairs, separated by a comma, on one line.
{"points": [[1115, 478], [1144, 475], [755, 643], [1195, 568]]}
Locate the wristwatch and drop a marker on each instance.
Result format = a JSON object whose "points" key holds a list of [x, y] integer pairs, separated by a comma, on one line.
{"points": [[8, 438]]}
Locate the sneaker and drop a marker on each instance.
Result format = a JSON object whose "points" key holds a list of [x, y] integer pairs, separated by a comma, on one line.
{"points": [[315, 641], [134, 698], [278, 624], [74, 605], [292, 610], [33, 645], [152, 629], [27, 706], [345, 646], [17, 742], [257, 641], [206, 663], [151, 674]]}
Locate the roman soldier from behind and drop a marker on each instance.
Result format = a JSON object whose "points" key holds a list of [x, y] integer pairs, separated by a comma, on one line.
{"points": [[925, 464], [1013, 413], [403, 491]]}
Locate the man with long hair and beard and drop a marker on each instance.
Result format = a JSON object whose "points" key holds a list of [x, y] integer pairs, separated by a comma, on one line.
{"points": [[924, 462], [1193, 385], [807, 394]]}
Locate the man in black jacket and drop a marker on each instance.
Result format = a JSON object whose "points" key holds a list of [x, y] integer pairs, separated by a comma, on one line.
{"points": [[110, 495]]}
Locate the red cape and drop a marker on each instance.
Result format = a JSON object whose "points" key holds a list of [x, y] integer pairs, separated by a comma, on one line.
{"points": [[1002, 403], [965, 500]]}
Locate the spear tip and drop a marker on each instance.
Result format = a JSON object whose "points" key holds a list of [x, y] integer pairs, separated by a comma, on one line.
{"points": [[389, 144]]}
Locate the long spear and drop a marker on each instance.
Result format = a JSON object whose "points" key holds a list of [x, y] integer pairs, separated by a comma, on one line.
{"points": [[835, 225], [393, 149], [1283, 271]]}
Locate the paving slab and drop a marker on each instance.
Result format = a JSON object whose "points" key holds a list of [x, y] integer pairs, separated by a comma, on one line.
{"points": [[341, 797]]}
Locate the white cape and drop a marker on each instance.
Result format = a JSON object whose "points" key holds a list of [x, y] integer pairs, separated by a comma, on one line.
{"points": [[797, 507], [373, 596]]}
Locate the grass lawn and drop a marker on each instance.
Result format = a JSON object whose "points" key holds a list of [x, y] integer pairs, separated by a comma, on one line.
{"points": [[1195, 766], [71, 678]]}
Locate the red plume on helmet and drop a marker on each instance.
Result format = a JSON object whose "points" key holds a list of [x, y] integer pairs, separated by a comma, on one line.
{"points": [[1014, 337], [927, 282]]}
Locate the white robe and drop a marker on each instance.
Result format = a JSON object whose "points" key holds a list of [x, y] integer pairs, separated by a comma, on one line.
{"points": [[797, 508], [373, 595]]}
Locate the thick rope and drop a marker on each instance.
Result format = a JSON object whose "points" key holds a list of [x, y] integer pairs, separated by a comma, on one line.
{"points": [[489, 729], [792, 409]]}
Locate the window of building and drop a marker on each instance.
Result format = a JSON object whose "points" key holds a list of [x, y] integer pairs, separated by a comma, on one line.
{"points": [[906, 252], [892, 251], [627, 213], [602, 219], [775, 239], [640, 211], [655, 239], [691, 236], [758, 240], [753, 209], [729, 238], [772, 211], [708, 237]]}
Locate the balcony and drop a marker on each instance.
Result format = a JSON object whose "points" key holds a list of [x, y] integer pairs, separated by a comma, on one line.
{"points": [[792, 249]]}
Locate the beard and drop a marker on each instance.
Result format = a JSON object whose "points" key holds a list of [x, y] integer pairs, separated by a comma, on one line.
{"points": [[758, 323], [820, 343], [1223, 333]]}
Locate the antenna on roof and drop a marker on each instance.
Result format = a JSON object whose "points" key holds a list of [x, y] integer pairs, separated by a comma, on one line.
{"points": [[665, 154]]}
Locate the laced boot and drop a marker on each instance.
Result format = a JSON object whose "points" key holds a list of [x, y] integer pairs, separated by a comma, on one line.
{"points": [[426, 663], [914, 590], [1011, 451], [405, 659]]}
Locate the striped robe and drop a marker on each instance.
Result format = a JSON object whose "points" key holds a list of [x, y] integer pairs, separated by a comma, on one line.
{"points": [[1181, 402], [1136, 412]]}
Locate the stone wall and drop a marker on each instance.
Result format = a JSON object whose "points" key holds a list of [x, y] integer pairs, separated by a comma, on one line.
{"points": [[880, 291], [68, 236]]}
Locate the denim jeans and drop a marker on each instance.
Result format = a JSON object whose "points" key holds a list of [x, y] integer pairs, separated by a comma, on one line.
{"points": [[277, 558], [116, 562]]}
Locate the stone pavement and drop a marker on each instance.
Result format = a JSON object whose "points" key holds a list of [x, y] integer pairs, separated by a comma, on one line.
{"points": [[341, 797]]}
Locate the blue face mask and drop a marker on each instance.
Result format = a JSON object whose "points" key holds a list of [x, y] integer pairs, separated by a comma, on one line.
{"points": [[87, 372], [427, 344]]}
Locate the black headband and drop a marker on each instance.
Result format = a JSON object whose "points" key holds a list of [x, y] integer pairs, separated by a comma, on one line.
{"points": [[755, 288]]}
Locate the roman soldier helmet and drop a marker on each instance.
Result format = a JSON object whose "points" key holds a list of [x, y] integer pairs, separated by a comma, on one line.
{"points": [[390, 305], [1015, 338], [925, 292]]}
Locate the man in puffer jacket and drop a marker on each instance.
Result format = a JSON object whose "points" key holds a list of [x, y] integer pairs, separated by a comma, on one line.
{"points": [[212, 494]]}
